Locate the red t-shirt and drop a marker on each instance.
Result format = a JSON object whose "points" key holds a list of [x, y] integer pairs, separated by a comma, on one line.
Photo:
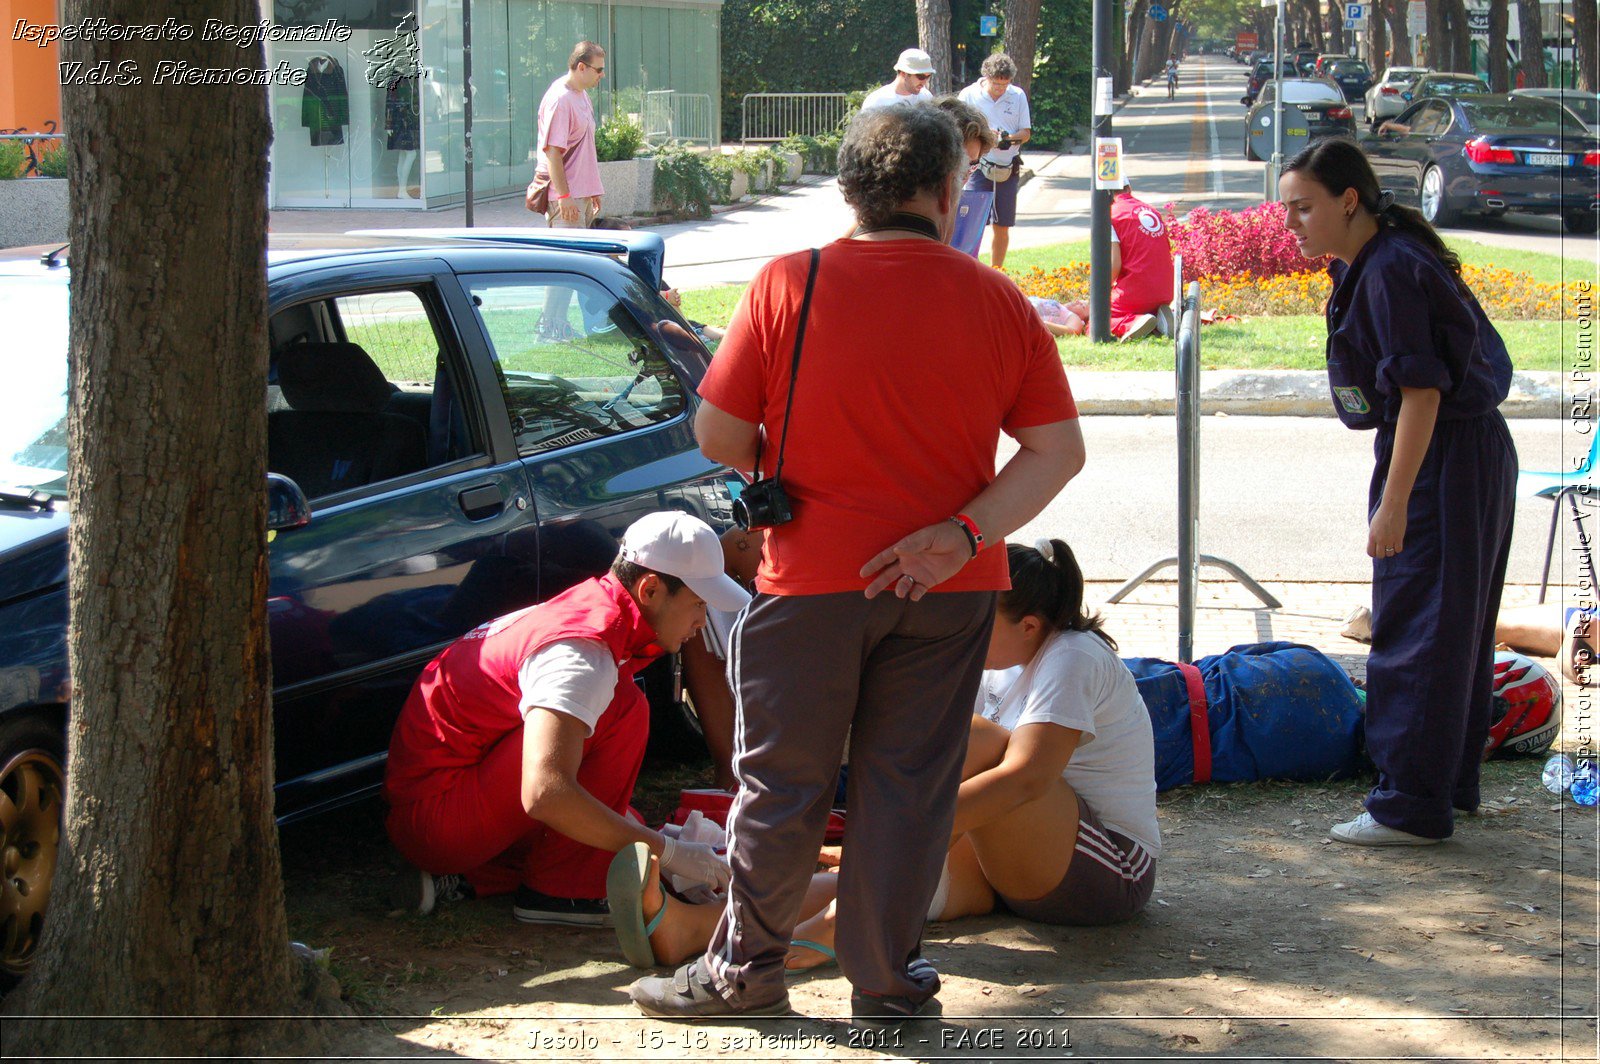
{"points": [[1146, 278], [916, 356]]}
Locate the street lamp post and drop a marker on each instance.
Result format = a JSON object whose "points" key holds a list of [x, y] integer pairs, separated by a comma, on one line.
{"points": [[1270, 192], [1100, 198]]}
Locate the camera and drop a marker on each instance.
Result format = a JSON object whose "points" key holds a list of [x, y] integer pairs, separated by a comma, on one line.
{"points": [[1005, 141], [763, 504]]}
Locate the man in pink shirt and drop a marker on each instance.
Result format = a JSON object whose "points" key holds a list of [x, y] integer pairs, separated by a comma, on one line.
{"points": [[566, 140]]}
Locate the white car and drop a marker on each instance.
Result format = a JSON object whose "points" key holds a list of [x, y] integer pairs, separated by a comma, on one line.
{"points": [[1585, 106], [1385, 99]]}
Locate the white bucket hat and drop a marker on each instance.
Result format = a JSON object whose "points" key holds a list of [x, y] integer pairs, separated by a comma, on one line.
{"points": [[685, 547], [914, 61]]}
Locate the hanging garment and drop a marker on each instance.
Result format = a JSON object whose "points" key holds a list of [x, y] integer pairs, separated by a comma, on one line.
{"points": [[400, 119], [325, 106]]}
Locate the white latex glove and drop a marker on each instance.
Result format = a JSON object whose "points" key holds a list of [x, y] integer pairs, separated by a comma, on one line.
{"points": [[696, 861]]}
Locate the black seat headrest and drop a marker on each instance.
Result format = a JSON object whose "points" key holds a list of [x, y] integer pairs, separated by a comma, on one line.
{"points": [[333, 378]]}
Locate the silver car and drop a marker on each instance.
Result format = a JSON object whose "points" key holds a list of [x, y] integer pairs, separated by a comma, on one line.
{"points": [[1585, 106], [1386, 97]]}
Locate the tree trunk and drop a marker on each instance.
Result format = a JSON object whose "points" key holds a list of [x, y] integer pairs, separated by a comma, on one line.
{"points": [[1453, 17], [1335, 27], [169, 898], [1135, 41], [933, 36], [1583, 31], [1021, 35], [1399, 35], [1378, 40], [1530, 46], [1499, 20], [1435, 50]]}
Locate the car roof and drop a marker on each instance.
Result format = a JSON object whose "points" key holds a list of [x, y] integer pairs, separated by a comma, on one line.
{"points": [[486, 248], [1557, 94]]}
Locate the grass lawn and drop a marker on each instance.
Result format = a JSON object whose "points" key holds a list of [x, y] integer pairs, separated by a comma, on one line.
{"points": [[1294, 342]]}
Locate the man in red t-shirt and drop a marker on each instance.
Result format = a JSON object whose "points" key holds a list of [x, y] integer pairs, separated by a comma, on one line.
{"points": [[889, 463], [1141, 271], [513, 761]]}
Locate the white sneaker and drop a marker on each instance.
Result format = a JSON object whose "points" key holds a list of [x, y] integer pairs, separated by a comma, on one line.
{"points": [[1365, 831], [1140, 327], [1166, 322]]}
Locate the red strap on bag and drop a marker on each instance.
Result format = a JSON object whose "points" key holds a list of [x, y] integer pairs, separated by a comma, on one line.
{"points": [[1199, 721]]}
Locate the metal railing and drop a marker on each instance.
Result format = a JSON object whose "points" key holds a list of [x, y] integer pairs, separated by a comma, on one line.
{"points": [[1186, 348], [31, 165], [772, 116], [670, 115]]}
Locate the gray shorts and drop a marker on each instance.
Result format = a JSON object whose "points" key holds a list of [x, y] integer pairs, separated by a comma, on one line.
{"points": [[1108, 880]]}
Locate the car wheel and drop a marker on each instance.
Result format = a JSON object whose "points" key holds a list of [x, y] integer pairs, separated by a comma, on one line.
{"points": [[1434, 207], [32, 794], [1579, 221]]}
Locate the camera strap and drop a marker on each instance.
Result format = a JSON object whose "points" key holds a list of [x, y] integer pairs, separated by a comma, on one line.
{"points": [[794, 369]]}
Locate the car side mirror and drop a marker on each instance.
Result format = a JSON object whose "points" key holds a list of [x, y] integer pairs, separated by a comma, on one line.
{"points": [[287, 507], [1406, 96]]}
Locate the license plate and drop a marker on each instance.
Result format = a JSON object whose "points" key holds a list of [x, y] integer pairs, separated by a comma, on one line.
{"points": [[1539, 158]]}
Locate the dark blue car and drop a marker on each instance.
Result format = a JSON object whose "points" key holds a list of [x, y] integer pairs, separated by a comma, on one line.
{"points": [[457, 427]]}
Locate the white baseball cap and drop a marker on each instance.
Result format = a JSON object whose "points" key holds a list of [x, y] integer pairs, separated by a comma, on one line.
{"points": [[914, 61], [685, 547]]}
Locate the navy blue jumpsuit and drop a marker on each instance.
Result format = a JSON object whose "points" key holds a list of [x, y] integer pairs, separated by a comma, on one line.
{"points": [[1399, 318]]}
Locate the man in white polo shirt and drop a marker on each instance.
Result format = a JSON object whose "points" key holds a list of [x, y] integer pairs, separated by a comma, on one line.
{"points": [[911, 73], [1006, 108]]}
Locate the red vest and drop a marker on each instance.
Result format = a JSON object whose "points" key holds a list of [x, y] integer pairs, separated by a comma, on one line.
{"points": [[468, 697], [1146, 279]]}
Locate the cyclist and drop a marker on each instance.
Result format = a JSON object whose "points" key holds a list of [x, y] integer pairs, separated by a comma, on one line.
{"points": [[1172, 76]]}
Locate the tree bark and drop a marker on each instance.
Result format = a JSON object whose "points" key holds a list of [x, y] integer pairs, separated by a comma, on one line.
{"points": [[1021, 37], [933, 36], [169, 897], [1530, 46], [1435, 49], [1588, 47], [1335, 27], [1453, 17], [1378, 40], [1499, 70], [1134, 44], [1399, 34]]}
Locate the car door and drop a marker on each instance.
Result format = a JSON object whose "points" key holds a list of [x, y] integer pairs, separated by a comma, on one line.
{"points": [[597, 379], [375, 412], [1399, 158]]}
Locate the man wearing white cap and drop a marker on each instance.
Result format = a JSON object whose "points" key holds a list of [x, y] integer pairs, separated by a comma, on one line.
{"points": [[911, 73], [513, 762]]}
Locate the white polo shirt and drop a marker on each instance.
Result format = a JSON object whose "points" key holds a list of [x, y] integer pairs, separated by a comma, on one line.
{"points": [[885, 96], [1009, 114]]}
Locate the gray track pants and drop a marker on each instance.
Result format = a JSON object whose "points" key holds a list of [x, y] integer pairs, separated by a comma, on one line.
{"points": [[899, 677]]}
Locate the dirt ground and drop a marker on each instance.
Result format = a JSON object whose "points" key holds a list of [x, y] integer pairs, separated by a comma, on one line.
{"points": [[1263, 940]]}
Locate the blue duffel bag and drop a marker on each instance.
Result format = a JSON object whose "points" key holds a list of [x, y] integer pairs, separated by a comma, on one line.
{"points": [[1264, 711]]}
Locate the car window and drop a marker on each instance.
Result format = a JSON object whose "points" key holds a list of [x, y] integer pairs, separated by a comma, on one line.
{"points": [[1403, 77], [1520, 114], [574, 363], [1309, 92], [1455, 86], [33, 403], [1430, 119], [361, 390], [1349, 66]]}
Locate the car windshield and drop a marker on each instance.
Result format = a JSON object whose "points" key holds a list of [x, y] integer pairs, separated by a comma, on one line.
{"points": [[1515, 114], [1349, 66], [1309, 92], [1456, 85], [33, 404], [1403, 77], [1587, 108]]}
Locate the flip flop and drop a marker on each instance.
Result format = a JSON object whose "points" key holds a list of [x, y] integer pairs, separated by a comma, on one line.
{"points": [[828, 956], [625, 883]]}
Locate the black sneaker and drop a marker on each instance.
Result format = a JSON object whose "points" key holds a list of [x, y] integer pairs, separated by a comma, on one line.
{"points": [[419, 892], [688, 994], [534, 908], [884, 1011]]}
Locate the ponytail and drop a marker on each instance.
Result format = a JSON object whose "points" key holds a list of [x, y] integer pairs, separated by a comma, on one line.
{"points": [[1047, 583]]}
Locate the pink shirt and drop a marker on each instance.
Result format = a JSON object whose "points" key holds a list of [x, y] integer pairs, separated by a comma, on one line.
{"points": [[566, 121]]}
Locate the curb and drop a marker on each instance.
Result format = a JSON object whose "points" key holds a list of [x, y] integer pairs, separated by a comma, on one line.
{"points": [[1277, 393]]}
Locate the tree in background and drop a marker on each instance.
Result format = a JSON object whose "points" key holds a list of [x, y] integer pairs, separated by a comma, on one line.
{"points": [[1588, 48], [808, 46], [1063, 73], [1399, 35], [168, 901], [1021, 27], [1499, 69], [933, 34], [1530, 48]]}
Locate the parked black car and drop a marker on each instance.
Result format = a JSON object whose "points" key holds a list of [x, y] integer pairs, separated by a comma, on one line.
{"points": [[1489, 154], [1261, 73], [1444, 84], [1318, 103], [457, 427], [1353, 76]]}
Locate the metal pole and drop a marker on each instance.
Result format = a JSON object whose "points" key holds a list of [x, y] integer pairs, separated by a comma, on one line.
{"points": [[466, 98], [1276, 166], [1100, 199], [1188, 383]]}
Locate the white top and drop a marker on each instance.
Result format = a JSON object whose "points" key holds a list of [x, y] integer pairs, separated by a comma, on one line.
{"points": [[577, 677], [885, 96], [1009, 114], [1077, 681]]}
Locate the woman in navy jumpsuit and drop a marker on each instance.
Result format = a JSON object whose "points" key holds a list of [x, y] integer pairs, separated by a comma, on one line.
{"points": [[1412, 355]]}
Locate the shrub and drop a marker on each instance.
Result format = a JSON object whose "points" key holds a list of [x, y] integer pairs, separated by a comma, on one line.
{"points": [[1231, 244], [53, 162], [722, 168], [684, 184], [820, 153], [12, 154], [618, 138]]}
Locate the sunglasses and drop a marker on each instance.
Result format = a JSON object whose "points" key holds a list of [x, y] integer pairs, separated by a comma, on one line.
{"points": [[596, 69], [922, 77]]}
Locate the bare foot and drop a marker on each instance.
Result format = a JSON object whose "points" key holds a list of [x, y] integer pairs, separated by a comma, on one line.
{"points": [[804, 958], [683, 931]]}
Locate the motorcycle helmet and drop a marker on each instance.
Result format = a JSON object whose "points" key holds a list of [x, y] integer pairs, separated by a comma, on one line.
{"points": [[1526, 716]]}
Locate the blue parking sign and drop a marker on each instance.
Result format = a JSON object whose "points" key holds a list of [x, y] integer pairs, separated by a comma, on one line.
{"points": [[1158, 13], [1355, 12]]}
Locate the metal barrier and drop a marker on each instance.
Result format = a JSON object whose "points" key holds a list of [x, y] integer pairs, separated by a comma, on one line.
{"points": [[670, 115], [772, 116], [1189, 559]]}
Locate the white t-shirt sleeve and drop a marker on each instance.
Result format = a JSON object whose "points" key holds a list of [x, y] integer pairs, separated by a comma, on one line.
{"points": [[1065, 693], [577, 677]]}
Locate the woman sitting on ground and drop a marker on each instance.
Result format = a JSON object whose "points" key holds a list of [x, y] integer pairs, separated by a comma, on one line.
{"points": [[1056, 817]]}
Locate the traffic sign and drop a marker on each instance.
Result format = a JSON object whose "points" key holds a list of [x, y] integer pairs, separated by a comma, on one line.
{"points": [[988, 25], [1157, 13], [1355, 12], [1296, 132], [1416, 17], [1478, 23]]}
